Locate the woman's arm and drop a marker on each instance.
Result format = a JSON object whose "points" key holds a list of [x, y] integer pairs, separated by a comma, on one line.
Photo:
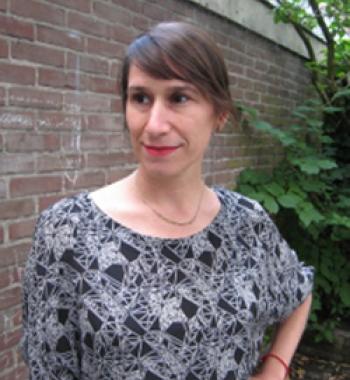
{"points": [[285, 343], [50, 324]]}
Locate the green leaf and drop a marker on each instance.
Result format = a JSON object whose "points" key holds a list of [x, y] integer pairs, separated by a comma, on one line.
{"points": [[289, 200], [341, 94], [309, 166], [344, 294], [327, 164], [246, 189], [262, 126], [308, 214], [274, 189], [314, 185], [331, 109], [253, 177], [270, 204]]}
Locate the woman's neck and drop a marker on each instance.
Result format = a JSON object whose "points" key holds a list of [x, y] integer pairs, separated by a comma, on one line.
{"points": [[177, 197]]}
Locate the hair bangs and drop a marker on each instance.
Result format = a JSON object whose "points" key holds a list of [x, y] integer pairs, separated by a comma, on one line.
{"points": [[151, 58]]}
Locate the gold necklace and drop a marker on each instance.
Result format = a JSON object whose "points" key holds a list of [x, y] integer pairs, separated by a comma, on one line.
{"points": [[175, 222]]}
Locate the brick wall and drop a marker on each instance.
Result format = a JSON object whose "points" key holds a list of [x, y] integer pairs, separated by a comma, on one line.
{"points": [[60, 123]]}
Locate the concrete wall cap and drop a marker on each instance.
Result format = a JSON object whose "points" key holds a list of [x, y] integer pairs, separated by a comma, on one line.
{"points": [[257, 15]]}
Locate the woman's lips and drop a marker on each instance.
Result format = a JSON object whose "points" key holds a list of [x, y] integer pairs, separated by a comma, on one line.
{"points": [[160, 151]]}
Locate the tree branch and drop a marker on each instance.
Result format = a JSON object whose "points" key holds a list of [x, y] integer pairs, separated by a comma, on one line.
{"points": [[330, 42], [312, 57]]}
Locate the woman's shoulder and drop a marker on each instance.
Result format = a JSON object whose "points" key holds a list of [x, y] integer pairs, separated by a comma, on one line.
{"points": [[240, 204], [72, 207]]}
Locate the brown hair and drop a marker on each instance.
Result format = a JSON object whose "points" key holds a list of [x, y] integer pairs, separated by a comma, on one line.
{"points": [[177, 50]]}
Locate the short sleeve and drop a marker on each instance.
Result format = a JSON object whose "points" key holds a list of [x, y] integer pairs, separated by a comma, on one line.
{"points": [[50, 334], [289, 280]]}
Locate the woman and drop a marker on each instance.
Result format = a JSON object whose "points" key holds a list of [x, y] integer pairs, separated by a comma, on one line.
{"points": [[158, 276]]}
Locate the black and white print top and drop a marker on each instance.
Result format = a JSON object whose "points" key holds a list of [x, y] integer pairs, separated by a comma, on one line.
{"points": [[104, 302]]}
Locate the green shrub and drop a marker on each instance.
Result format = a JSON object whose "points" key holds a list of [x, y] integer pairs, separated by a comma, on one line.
{"points": [[308, 191]]}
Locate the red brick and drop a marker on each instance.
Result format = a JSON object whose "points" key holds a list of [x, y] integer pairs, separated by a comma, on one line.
{"points": [[9, 276], [86, 180], [48, 200], [121, 33], [116, 105], [135, 6], [11, 73], [38, 11], [155, 12], [16, 163], [38, 54], [60, 79], [22, 229], [4, 49], [140, 22], [9, 297], [251, 96], [5, 277], [66, 162], [10, 209], [261, 66], [94, 142], [59, 121], [79, 5], [104, 123], [87, 102], [235, 69], [17, 120], [181, 7], [16, 28], [24, 142], [118, 141], [2, 96], [115, 70], [17, 317], [3, 5], [6, 359], [35, 185], [260, 87], [87, 25], [103, 86], [19, 373], [35, 98], [105, 49], [245, 84], [112, 13], [11, 338], [67, 39], [87, 64], [101, 160], [13, 254]]}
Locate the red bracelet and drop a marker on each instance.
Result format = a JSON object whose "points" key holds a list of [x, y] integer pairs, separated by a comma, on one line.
{"points": [[279, 359]]}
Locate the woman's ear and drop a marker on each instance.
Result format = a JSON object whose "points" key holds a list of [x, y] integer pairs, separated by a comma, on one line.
{"points": [[221, 121]]}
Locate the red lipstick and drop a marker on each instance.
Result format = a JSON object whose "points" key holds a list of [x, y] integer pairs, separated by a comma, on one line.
{"points": [[160, 151]]}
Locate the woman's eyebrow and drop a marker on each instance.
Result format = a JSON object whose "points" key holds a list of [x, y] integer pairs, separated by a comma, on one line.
{"points": [[137, 88], [179, 87]]}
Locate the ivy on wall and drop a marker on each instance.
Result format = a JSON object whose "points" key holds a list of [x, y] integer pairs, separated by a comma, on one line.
{"points": [[308, 191]]}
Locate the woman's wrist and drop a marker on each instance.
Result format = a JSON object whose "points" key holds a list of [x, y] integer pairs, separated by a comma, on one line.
{"points": [[275, 366]]}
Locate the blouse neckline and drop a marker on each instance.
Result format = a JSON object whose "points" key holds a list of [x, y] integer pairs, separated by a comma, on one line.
{"points": [[115, 224]]}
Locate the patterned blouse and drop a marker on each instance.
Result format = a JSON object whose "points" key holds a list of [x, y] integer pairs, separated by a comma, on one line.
{"points": [[104, 302]]}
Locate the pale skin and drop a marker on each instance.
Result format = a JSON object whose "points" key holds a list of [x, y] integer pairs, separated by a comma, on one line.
{"points": [[170, 124]]}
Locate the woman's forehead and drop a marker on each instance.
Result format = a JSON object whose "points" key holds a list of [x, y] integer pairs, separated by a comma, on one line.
{"points": [[140, 78]]}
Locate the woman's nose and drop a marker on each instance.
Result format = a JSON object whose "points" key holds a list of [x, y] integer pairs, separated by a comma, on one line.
{"points": [[158, 121]]}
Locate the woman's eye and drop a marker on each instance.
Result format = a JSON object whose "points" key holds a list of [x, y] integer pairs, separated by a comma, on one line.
{"points": [[179, 98], [140, 98]]}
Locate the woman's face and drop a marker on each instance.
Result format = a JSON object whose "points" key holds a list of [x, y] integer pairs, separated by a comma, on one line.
{"points": [[170, 124]]}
